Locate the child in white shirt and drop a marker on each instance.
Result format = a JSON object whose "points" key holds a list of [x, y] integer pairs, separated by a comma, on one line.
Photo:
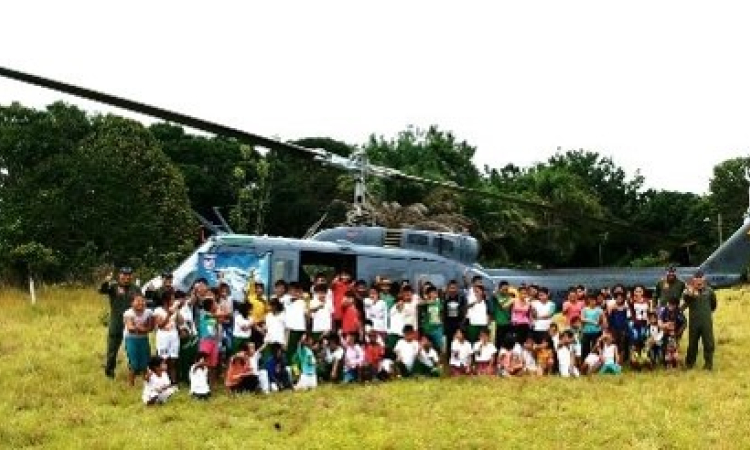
{"points": [[566, 355], [460, 358], [376, 311], [321, 311], [199, 387], [406, 351], [428, 361], [484, 353], [157, 387], [243, 326]]}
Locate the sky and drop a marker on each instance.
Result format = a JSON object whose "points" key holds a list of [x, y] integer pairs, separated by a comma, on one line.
{"points": [[661, 87]]}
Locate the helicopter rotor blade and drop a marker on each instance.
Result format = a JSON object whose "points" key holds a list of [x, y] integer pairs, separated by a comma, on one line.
{"points": [[320, 155], [160, 113]]}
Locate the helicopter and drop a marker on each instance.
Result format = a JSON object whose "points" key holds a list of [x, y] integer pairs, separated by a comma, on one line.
{"points": [[367, 251]]}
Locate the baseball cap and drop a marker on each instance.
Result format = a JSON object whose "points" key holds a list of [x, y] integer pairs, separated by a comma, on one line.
{"points": [[126, 270]]}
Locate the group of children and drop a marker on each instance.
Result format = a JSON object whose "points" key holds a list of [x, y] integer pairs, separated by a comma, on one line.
{"points": [[347, 331]]}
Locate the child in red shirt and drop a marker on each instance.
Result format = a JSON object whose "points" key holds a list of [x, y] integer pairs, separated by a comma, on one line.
{"points": [[339, 287], [374, 352], [350, 315]]}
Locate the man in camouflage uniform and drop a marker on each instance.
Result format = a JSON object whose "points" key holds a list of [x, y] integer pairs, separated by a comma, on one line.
{"points": [[700, 300], [668, 288], [120, 295]]}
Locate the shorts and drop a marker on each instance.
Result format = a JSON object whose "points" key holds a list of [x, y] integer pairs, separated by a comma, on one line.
{"points": [[138, 352], [211, 348], [307, 382], [168, 344]]}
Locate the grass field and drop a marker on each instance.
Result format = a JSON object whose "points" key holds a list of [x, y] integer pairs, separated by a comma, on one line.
{"points": [[53, 394]]}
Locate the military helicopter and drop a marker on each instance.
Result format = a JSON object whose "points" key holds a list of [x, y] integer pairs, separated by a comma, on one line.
{"points": [[367, 251]]}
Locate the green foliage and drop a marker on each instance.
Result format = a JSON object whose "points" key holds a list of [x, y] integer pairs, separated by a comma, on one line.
{"points": [[729, 191], [100, 191]]}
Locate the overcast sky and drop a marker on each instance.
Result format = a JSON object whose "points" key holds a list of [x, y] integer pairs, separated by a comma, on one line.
{"points": [[660, 86]]}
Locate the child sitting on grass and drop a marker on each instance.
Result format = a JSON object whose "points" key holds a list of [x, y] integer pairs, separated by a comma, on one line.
{"points": [[240, 377], [353, 358], [484, 353], [199, 387], [157, 387], [428, 361], [308, 378], [406, 351], [610, 356], [593, 361], [545, 358], [671, 351], [529, 358], [460, 357], [639, 357]]}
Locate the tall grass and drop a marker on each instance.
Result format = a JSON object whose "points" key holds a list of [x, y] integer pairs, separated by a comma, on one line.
{"points": [[53, 394]]}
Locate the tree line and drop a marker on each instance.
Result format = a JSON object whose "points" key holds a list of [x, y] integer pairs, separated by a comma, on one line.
{"points": [[81, 192]]}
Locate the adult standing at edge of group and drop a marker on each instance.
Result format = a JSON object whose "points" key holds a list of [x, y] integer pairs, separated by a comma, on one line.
{"points": [[700, 299], [668, 288], [120, 295]]}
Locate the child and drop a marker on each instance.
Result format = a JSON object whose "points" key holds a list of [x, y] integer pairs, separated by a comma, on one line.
{"points": [[610, 356], [428, 361], [477, 314], [167, 336], [243, 326], [276, 367], [353, 354], [528, 357], [545, 358], [575, 328], [396, 324], [640, 314], [406, 351], [566, 356], [639, 357], [199, 387], [655, 341], [321, 310], [157, 387], [618, 319], [460, 358], [484, 353], [430, 318], [350, 323], [376, 311], [139, 322], [240, 377], [671, 352], [308, 378], [593, 361], [373, 367], [593, 320], [209, 333], [554, 335], [332, 362], [276, 324]]}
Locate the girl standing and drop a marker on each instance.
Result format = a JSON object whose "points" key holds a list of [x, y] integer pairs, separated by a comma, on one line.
{"points": [[520, 315], [593, 320]]}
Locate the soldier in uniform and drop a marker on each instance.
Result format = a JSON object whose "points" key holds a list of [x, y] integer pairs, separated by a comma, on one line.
{"points": [[120, 295], [700, 300], [668, 288]]}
